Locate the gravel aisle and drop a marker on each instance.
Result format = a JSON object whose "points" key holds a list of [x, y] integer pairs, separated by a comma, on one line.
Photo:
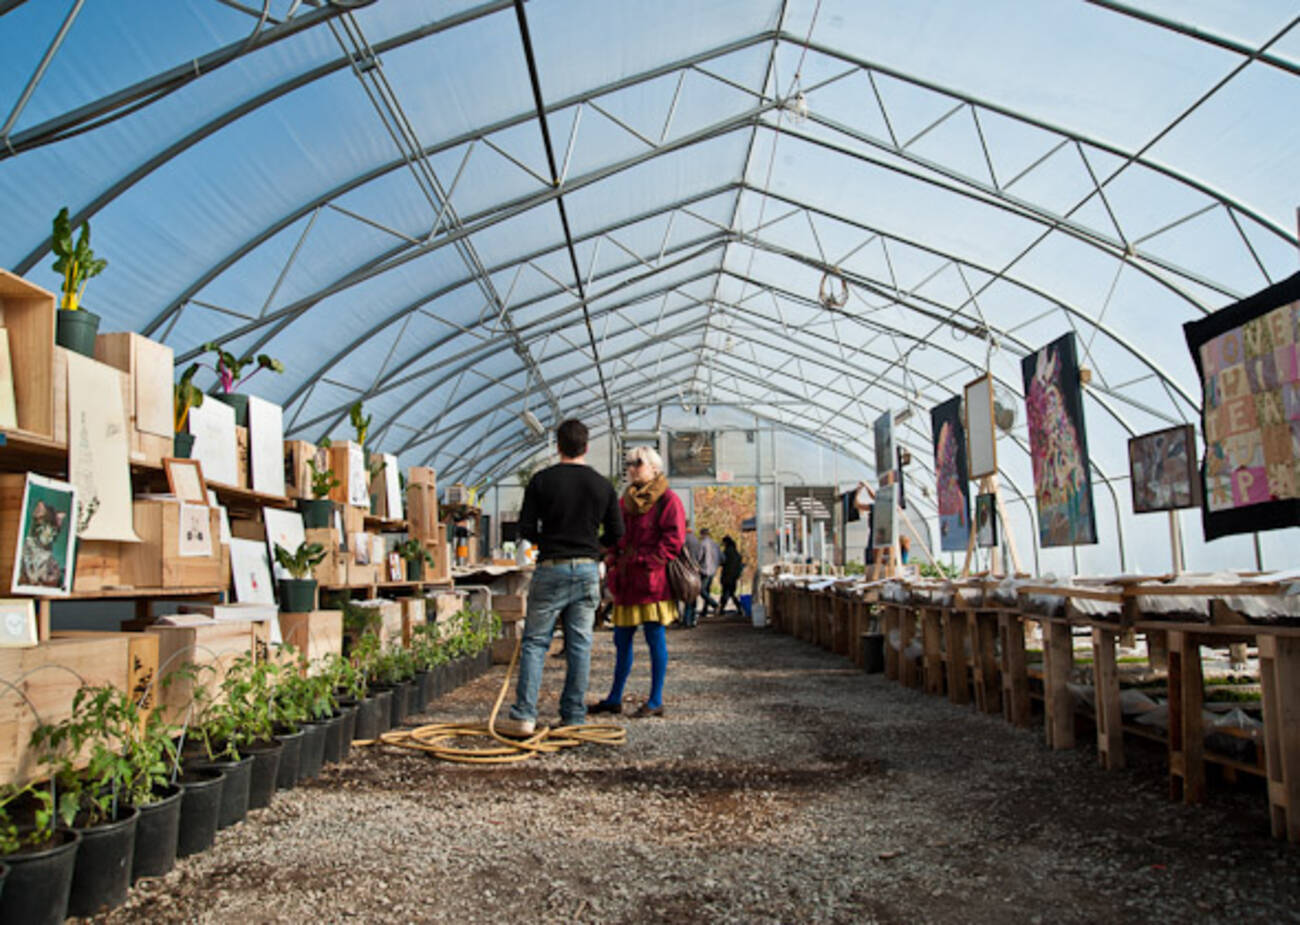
{"points": [[783, 786]]}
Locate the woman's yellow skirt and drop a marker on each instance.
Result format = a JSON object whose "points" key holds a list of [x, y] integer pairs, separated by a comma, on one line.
{"points": [[664, 612]]}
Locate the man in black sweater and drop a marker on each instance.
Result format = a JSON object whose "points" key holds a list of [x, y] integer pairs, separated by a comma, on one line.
{"points": [[564, 507]]}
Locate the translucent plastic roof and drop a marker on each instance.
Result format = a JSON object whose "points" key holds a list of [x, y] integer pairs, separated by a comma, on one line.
{"points": [[365, 191]]}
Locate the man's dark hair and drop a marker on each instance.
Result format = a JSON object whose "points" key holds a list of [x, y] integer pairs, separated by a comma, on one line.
{"points": [[571, 438]]}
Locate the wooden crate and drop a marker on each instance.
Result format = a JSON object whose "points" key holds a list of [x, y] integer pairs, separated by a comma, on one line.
{"points": [[297, 474], [440, 570], [48, 675], [441, 606], [142, 663], [333, 569], [154, 562], [314, 634], [27, 313], [339, 454], [216, 645], [362, 575], [413, 615], [512, 606], [354, 520], [390, 619], [61, 396], [99, 566], [149, 367], [422, 504]]}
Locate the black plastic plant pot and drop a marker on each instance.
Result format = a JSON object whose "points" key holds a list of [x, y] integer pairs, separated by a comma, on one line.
{"points": [[262, 776], [873, 652], [423, 691], [156, 835], [37, 887], [297, 595], [234, 795], [367, 722], [287, 774], [316, 512], [4, 874], [335, 732], [348, 730], [384, 718], [398, 708], [313, 751], [415, 570], [76, 330], [182, 444], [238, 402], [102, 875], [200, 810]]}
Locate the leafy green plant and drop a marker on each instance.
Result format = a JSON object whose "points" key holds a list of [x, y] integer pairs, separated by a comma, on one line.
{"points": [[300, 698], [393, 664], [428, 650], [343, 677], [938, 570], [412, 550], [359, 424], [323, 481], [302, 560], [361, 621], [12, 836], [75, 262], [229, 369], [185, 395]]}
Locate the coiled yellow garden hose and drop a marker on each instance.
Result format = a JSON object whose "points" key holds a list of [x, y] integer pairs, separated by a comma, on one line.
{"points": [[433, 739]]}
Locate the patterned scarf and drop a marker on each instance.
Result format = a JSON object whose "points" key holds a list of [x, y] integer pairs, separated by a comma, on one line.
{"points": [[640, 498]]}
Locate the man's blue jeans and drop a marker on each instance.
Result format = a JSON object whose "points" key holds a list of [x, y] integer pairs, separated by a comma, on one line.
{"points": [[568, 592]]}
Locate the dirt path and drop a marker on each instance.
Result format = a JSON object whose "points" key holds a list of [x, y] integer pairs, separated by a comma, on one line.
{"points": [[783, 786]]}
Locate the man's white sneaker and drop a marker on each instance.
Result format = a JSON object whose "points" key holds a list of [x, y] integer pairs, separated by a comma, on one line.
{"points": [[519, 728]]}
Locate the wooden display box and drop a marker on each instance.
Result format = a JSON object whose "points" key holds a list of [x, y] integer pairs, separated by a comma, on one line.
{"points": [[413, 615], [61, 397], [142, 664], [440, 570], [422, 508], [511, 607], [362, 575], [441, 606], [27, 313], [99, 566], [212, 645], [314, 634], [149, 367], [48, 675], [354, 520], [297, 474], [155, 561], [339, 453], [333, 569], [390, 619]]}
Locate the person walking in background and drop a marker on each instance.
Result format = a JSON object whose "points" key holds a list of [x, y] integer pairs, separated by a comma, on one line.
{"points": [[694, 550], [654, 522], [564, 507], [732, 566], [710, 559]]}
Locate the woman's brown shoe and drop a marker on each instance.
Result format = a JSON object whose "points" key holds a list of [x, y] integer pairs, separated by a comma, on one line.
{"points": [[645, 710], [604, 706]]}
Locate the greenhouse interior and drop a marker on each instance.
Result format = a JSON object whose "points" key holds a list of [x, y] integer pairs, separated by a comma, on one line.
{"points": [[922, 379]]}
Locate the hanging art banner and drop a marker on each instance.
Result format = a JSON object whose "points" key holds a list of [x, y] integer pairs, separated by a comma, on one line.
{"points": [[883, 432], [950, 471], [1246, 357], [1058, 445]]}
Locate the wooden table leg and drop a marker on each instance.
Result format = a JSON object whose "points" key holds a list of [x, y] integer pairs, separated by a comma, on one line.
{"points": [[1186, 735], [1015, 676], [931, 654], [891, 628], [1279, 668], [1105, 683], [906, 633], [984, 664], [1058, 656], [955, 640]]}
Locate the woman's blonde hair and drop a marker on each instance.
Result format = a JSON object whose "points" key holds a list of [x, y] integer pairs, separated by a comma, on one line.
{"points": [[648, 455]]}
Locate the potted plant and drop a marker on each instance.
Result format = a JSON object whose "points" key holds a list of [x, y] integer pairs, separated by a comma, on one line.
{"points": [[97, 800], [412, 550], [75, 328], [39, 854], [361, 425], [318, 510], [185, 395], [230, 371], [347, 689], [298, 594]]}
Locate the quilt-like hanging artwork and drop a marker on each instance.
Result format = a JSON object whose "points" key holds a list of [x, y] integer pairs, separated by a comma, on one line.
{"points": [[1058, 445], [1246, 357], [950, 470]]}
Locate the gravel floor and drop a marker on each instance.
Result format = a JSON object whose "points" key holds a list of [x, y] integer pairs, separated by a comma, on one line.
{"points": [[783, 786]]}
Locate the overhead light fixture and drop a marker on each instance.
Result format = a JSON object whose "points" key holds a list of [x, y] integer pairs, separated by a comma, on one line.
{"points": [[532, 423]]}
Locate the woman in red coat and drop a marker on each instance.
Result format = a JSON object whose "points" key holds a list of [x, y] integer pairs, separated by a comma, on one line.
{"points": [[654, 523]]}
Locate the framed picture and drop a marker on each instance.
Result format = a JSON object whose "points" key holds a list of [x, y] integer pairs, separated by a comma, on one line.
{"points": [[1058, 445], [265, 446], [358, 477], [213, 426], [283, 528], [981, 438], [986, 521], [250, 568], [185, 480], [395, 572], [47, 538], [194, 535], [361, 548], [883, 432], [949, 434], [17, 622], [1162, 470], [691, 454]]}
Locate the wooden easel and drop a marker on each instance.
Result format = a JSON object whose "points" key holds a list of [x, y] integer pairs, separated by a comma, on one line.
{"points": [[886, 560], [989, 486]]}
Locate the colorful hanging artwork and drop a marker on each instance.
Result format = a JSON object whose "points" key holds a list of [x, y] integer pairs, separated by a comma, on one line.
{"points": [[950, 470], [1162, 470], [1058, 445], [1246, 356]]}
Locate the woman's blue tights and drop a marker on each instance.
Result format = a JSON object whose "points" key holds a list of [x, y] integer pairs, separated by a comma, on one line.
{"points": [[656, 639]]}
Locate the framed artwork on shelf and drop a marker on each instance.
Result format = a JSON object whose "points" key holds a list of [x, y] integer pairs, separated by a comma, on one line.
{"points": [[986, 520], [1058, 445], [185, 480], [949, 434], [47, 538], [194, 535], [283, 528], [981, 437], [1162, 470], [17, 622], [212, 425], [250, 567], [395, 567], [265, 446]]}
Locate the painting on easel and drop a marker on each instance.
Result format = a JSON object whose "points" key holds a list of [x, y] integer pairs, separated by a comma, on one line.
{"points": [[986, 521], [1058, 446], [883, 433], [950, 471], [884, 526]]}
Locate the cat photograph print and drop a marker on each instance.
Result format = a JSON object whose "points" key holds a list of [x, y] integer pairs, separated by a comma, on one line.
{"points": [[47, 538]]}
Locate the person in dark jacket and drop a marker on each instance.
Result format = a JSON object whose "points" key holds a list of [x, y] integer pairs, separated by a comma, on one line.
{"points": [[654, 529], [732, 566]]}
